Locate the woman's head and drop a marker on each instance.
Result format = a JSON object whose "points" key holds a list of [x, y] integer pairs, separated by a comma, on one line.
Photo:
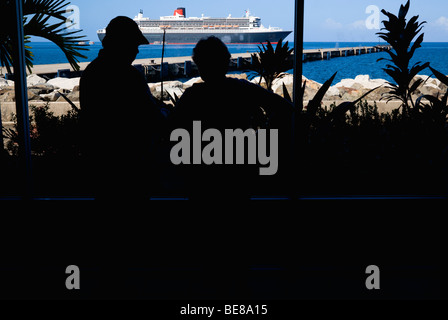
{"points": [[212, 58]]}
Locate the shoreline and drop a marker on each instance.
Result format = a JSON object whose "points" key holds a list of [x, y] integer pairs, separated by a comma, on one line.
{"points": [[61, 108], [41, 91], [177, 65]]}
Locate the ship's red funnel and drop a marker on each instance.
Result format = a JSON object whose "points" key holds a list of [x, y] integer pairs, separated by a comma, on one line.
{"points": [[180, 11]]}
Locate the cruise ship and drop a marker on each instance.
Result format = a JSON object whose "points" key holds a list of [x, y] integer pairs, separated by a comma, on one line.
{"points": [[182, 30]]}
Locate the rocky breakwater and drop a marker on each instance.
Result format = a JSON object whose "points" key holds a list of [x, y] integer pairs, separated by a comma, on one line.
{"points": [[353, 89], [172, 89], [345, 90], [41, 90]]}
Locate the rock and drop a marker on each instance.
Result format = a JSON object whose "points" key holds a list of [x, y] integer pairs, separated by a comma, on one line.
{"points": [[435, 82], [241, 76], [345, 90], [378, 93], [64, 83], [42, 88], [192, 81], [168, 86], [277, 85], [333, 94], [345, 83], [363, 78], [158, 95], [32, 96], [7, 96], [3, 82], [353, 89], [152, 87], [357, 86], [417, 77], [350, 94], [429, 89], [173, 91], [256, 80], [429, 86], [443, 87], [33, 80], [311, 87], [361, 82], [6, 83], [73, 96], [52, 97], [6, 89], [367, 83]]}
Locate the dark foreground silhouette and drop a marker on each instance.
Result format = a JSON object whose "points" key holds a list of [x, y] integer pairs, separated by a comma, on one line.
{"points": [[226, 103], [114, 99]]}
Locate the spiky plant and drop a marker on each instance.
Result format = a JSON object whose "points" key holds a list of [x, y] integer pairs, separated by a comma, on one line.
{"points": [[271, 63], [436, 110], [36, 22], [400, 35]]}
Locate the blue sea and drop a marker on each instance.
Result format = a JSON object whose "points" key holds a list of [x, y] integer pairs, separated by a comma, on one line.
{"points": [[347, 67]]}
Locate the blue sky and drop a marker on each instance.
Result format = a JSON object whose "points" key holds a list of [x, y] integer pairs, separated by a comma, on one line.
{"points": [[325, 20]]}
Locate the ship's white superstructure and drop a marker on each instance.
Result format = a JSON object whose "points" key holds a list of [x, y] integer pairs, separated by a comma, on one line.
{"points": [[180, 29]]}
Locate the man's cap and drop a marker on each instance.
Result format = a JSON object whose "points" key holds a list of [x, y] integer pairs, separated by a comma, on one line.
{"points": [[124, 29]]}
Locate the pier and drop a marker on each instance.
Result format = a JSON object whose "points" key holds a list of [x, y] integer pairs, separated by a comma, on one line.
{"points": [[326, 54], [178, 67]]}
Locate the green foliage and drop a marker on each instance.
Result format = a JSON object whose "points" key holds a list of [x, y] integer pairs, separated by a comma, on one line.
{"points": [[349, 147], [271, 63], [12, 138], [314, 104], [50, 135], [400, 35], [376, 152], [435, 111], [36, 22], [338, 112]]}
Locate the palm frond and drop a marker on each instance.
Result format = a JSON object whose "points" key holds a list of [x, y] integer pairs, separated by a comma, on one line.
{"points": [[400, 36], [57, 33], [53, 8], [36, 23]]}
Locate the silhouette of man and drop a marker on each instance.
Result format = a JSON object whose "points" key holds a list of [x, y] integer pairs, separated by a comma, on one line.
{"points": [[120, 117], [225, 103]]}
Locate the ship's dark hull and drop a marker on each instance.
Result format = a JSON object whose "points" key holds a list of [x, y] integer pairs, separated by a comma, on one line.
{"points": [[228, 38]]}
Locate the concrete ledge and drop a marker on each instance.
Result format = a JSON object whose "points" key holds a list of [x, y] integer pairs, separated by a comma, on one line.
{"points": [[60, 108], [8, 109], [383, 106]]}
